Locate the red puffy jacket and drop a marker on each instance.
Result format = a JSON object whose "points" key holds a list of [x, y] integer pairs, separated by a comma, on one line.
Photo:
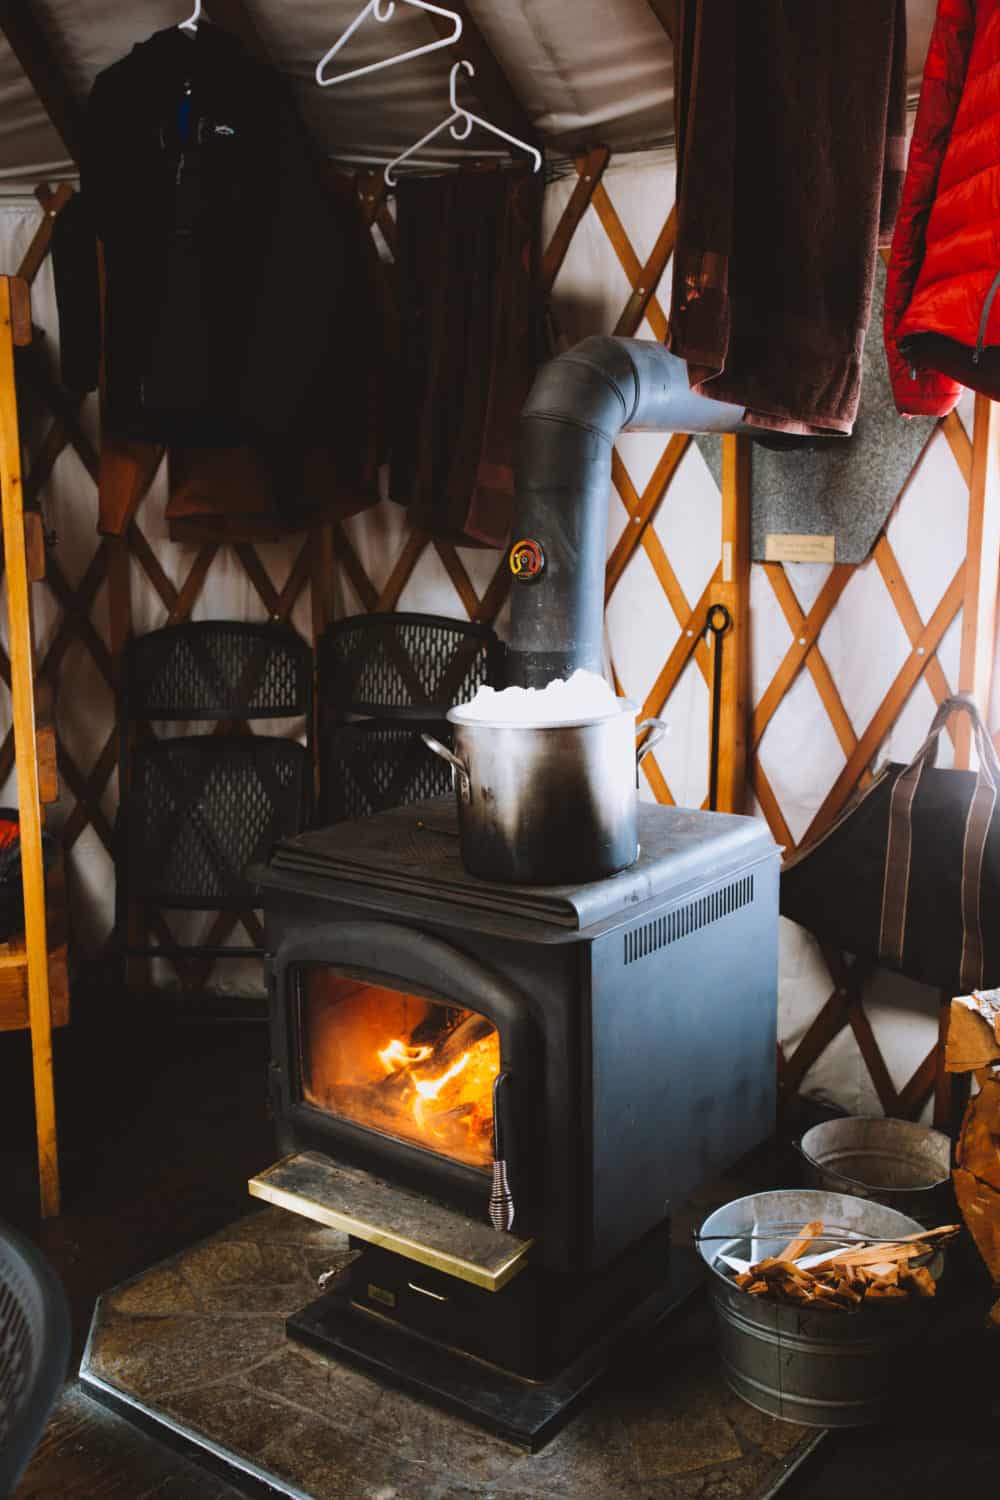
{"points": [[942, 312]]}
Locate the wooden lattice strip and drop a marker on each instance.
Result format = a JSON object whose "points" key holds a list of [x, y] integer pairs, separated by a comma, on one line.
{"points": [[351, 564], [82, 790], [495, 597], [650, 275], [909, 615], [804, 652], [461, 582], [676, 597], [642, 509], [259, 577], [93, 790], [959, 443], [629, 261], [83, 627], [682, 652], [44, 460], [918, 1090], [828, 1025], [590, 169], [190, 590], [411, 554], [295, 583], [150, 564], [770, 807], [52, 204], [982, 562]]}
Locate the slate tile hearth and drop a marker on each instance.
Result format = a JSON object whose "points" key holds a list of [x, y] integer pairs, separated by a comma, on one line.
{"points": [[198, 1343]]}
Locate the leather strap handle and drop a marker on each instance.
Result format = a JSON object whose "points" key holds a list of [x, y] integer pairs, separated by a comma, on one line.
{"points": [[899, 847]]}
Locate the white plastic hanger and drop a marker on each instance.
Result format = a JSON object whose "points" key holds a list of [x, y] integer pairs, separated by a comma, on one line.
{"points": [[460, 123], [191, 24], [375, 8]]}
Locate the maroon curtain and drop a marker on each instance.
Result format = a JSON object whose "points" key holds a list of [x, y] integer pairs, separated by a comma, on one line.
{"points": [[470, 311]]}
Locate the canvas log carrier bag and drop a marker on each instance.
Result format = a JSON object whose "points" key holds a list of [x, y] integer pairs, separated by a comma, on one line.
{"points": [[910, 874]]}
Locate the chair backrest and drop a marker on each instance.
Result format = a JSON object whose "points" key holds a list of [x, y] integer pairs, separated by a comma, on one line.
{"points": [[218, 669], [203, 809], [34, 1351], [382, 679], [379, 664]]}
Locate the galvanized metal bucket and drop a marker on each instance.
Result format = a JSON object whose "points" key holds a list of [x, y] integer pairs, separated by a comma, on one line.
{"points": [[819, 1369], [904, 1166]]}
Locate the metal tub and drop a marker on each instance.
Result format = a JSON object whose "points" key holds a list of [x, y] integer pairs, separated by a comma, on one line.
{"points": [[904, 1166], [820, 1369]]}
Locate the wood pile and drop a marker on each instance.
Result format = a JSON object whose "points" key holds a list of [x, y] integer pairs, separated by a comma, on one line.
{"points": [[846, 1276], [974, 1047]]}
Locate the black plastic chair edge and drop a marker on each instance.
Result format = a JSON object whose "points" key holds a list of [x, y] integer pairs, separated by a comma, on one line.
{"points": [[30, 1421]]}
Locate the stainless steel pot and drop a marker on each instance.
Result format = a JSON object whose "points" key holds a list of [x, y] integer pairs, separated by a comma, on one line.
{"points": [[548, 804]]}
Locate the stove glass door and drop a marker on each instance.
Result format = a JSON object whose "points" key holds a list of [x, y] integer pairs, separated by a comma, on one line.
{"points": [[409, 1067]]}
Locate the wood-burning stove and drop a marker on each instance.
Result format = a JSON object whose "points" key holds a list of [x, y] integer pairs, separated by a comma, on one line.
{"points": [[616, 1040]]}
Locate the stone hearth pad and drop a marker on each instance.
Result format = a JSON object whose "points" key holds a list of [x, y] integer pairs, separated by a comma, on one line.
{"points": [[198, 1346]]}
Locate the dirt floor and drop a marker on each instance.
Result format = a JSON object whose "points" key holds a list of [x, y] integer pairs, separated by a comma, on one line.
{"points": [[163, 1117]]}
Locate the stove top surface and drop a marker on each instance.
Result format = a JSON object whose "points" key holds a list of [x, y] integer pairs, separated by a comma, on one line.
{"points": [[414, 851]]}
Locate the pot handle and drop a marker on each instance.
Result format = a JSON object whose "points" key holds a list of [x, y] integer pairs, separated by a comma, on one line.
{"points": [[459, 772], [658, 728]]}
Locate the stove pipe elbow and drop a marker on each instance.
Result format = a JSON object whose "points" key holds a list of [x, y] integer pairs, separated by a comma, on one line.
{"points": [[579, 403]]}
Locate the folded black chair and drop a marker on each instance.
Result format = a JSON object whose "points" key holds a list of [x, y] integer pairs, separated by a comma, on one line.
{"points": [[197, 810], [383, 679], [34, 1351]]}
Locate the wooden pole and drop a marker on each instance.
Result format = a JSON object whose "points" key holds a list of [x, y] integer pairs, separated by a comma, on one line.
{"points": [[982, 566], [13, 301], [733, 591]]}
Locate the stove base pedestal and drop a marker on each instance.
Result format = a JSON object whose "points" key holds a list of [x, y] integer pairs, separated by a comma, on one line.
{"points": [[525, 1411]]}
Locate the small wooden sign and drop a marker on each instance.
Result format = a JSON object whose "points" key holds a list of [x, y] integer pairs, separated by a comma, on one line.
{"points": [[793, 546]]}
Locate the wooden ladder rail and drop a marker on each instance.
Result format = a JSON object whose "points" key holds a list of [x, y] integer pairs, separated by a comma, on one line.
{"points": [[15, 328]]}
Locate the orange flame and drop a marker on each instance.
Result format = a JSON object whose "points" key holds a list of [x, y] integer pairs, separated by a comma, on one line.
{"points": [[398, 1055], [459, 1098]]}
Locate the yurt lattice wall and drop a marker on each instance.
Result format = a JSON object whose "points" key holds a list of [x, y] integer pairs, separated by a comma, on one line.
{"points": [[846, 662]]}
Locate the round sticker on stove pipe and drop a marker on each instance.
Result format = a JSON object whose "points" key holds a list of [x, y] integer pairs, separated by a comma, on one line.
{"points": [[526, 560]]}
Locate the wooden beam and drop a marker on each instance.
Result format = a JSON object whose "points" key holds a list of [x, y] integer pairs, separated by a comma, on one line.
{"points": [[982, 552], [29, 46], [491, 86], [733, 591], [28, 791]]}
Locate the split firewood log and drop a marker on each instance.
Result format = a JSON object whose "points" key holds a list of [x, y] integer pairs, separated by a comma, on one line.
{"points": [[973, 1046], [885, 1271], [801, 1244]]}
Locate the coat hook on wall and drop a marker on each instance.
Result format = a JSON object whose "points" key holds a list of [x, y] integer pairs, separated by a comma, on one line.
{"points": [[383, 10], [191, 24], [460, 123]]}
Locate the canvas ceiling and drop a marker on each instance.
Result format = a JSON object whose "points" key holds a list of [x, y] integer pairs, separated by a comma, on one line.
{"points": [[593, 70]]}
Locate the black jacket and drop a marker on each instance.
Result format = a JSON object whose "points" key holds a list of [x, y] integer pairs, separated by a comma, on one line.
{"points": [[227, 263]]}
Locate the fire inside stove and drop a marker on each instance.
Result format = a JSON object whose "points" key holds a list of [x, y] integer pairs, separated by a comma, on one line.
{"points": [[401, 1064]]}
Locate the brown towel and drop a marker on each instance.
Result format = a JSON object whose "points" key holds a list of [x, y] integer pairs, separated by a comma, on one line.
{"points": [[470, 333], [790, 158]]}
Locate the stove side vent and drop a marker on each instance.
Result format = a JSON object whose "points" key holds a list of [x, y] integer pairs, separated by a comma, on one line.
{"points": [[640, 942], [579, 403]]}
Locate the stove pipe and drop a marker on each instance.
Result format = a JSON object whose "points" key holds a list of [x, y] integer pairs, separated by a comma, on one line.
{"points": [[579, 403]]}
